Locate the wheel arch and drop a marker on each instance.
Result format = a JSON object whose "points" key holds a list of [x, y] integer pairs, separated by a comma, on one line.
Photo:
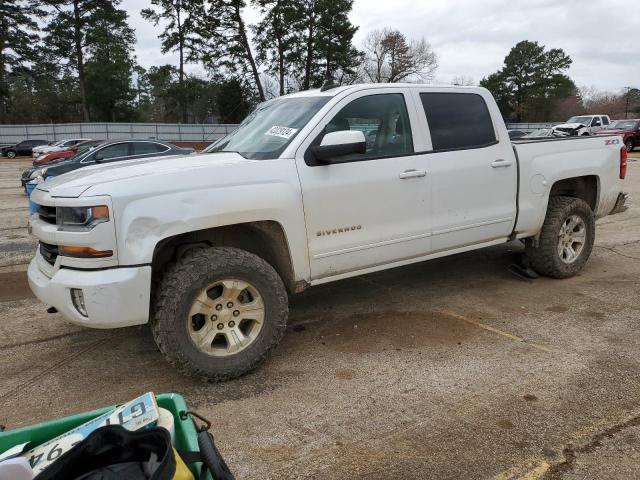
{"points": [[266, 239], [585, 187]]}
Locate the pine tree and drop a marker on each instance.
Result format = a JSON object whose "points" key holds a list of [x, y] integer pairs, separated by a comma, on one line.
{"points": [[336, 53], [274, 38], [178, 35], [324, 40], [109, 67], [18, 41], [228, 49], [70, 35], [532, 81]]}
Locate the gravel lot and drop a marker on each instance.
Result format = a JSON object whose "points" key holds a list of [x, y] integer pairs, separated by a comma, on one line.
{"points": [[446, 370]]}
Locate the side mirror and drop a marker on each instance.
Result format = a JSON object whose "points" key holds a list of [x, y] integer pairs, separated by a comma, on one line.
{"points": [[338, 144], [98, 158], [597, 124]]}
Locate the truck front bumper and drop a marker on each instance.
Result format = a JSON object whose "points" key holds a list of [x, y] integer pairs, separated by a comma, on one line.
{"points": [[113, 297]]}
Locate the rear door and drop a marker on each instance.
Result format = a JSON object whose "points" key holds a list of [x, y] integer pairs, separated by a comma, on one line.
{"points": [[473, 174], [372, 208]]}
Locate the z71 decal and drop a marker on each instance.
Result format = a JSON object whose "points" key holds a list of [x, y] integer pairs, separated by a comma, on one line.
{"points": [[612, 141]]}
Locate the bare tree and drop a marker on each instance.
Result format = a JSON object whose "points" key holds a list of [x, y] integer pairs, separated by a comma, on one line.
{"points": [[390, 57], [463, 81]]}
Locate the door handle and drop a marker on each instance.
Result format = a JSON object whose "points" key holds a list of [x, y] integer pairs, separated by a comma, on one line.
{"points": [[501, 163], [412, 174]]}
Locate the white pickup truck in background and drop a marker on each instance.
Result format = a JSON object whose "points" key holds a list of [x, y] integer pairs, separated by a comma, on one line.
{"points": [[583, 125], [312, 187]]}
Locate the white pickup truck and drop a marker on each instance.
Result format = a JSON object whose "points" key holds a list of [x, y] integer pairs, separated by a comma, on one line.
{"points": [[313, 187]]}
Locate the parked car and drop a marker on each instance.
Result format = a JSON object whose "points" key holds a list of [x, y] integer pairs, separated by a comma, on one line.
{"points": [[68, 152], [23, 148], [58, 146], [629, 129], [74, 152], [584, 124], [207, 248], [109, 152]]}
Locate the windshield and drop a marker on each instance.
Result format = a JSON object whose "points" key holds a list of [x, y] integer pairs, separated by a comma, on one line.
{"points": [[267, 131], [583, 120], [622, 125]]}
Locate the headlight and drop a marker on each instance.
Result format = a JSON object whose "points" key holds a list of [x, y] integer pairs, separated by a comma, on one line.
{"points": [[81, 218]]}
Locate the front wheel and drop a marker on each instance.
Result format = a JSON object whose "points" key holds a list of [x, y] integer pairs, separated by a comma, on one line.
{"points": [[219, 312], [566, 239], [11, 154]]}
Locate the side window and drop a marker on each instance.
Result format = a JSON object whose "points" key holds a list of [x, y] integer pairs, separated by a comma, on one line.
{"points": [[146, 148], [605, 121], [384, 121], [458, 120], [113, 151], [595, 121]]}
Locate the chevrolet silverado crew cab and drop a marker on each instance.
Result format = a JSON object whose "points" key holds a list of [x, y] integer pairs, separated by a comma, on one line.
{"points": [[311, 188]]}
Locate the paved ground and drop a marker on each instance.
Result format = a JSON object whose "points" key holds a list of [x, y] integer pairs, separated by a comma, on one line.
{"points": [[446, 370]]}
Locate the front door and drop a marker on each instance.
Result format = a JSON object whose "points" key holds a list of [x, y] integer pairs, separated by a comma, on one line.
{"points": [[371, 208]]}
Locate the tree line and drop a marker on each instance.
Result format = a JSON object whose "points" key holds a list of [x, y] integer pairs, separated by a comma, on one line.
{"points": [[74, 60], [532, 86]]}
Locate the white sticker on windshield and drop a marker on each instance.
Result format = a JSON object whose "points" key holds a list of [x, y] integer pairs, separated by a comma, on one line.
{"points": [[284, 132]]}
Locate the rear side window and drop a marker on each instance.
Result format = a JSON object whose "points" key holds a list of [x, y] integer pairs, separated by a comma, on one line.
{"points": [[605, 121], [113, 151], [145, 148], [458, 120]]}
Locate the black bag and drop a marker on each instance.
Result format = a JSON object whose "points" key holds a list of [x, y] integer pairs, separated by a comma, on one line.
{"points": [[113, 452]]}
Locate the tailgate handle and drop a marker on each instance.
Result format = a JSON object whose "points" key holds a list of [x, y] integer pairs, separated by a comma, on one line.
{"points": [[412, 174], [501, 163]]}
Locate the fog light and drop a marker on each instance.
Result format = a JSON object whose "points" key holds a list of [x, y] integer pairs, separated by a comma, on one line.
{"points": [[77, 298]]}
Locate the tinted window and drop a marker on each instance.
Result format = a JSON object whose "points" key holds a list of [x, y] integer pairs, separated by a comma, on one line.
{"points": [[605, 121], [113, 151], [596, 121], [458, 120], [384, 121], [145, 148]]}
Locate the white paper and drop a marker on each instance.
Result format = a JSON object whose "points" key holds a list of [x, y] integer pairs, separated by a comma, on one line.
{"points": [[282, 132]]}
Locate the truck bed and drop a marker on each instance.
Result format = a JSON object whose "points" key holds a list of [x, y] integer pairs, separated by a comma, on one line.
{"points": [[543, 163]]}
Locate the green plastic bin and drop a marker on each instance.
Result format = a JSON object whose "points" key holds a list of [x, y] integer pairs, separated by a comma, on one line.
{"points": [[185, 434]]}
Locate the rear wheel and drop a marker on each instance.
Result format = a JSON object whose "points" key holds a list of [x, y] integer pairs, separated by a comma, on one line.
{"points": [[220, 312], [629, 145], [566, 239]]}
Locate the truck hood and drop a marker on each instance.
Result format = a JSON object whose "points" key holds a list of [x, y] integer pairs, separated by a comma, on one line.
{"points": [[75, 183]]}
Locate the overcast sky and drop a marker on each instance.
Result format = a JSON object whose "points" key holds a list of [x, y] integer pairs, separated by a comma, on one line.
{"points": [[472, 37]]}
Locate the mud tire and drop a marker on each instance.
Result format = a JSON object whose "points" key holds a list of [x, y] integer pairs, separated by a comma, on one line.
{"points": [[544, 257], [179, 285]]}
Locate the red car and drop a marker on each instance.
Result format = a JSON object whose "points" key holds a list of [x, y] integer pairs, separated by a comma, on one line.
{"points": [[629, 129], [67, 153]]}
